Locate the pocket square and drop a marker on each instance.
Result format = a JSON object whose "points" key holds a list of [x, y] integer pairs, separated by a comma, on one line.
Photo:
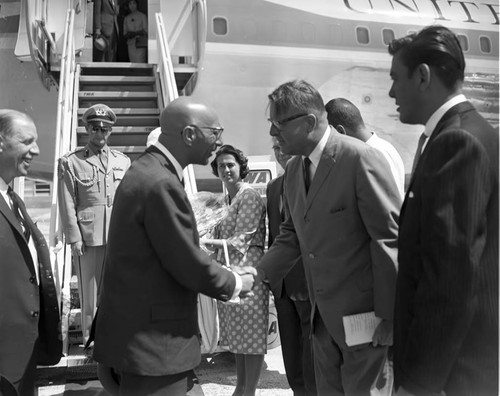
{"points": [[410, 194], [337, 210]]}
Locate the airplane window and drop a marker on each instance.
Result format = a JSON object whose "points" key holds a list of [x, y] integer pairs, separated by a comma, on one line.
{"points": [[464, 42], [335, 34], [387, 36], [220, 26], [362, 35], [485, 44]]}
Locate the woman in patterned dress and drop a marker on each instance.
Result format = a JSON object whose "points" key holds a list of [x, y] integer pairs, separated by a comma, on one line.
{"points": [[243, 325], [135, 24]]}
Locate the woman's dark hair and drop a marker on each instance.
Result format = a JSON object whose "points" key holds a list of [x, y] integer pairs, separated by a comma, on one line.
{"points": [[237, 154]]}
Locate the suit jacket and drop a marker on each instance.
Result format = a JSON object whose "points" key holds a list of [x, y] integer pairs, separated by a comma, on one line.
{"points": [[295, 282], [106, 17], [147, 323], [446, 318], [28, 312], [345, 228], [86, 193]]}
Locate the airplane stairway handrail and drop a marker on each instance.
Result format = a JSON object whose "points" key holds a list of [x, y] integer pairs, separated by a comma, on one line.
{"points": [[169, 87], [65, 129]]}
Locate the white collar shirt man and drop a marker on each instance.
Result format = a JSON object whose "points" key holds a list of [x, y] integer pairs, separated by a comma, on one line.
{"points": [[315, 155]]}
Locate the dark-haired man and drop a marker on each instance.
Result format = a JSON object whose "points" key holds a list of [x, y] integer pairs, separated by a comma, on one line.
{"points": [[346, 118], [446, 316]]}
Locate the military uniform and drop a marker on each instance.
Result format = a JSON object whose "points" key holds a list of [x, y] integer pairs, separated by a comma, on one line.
{"points": [[87, 183]]}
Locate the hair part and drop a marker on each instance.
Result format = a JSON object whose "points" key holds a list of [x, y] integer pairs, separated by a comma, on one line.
{"points": [[436, 46], [299, 95], [237, 154]]}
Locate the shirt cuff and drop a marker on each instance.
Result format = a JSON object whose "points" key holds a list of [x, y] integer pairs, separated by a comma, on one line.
{"points": [[239, 285]]}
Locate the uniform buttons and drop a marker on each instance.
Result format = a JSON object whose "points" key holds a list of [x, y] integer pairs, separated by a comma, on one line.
{"points": [[35, 314], [32, 279]]}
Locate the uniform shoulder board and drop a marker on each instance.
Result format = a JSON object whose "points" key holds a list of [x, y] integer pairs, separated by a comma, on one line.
{"points": [[77, 150]]}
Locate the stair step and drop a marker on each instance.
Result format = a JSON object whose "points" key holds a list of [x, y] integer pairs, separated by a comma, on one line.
{"points": [[116, 95], [122, 129], [133, 120], [118, 139], [115, 65], [116, 80], [128, 111]]}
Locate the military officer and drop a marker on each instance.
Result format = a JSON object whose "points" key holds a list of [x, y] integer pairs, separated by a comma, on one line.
{"points": [[88, 178]]}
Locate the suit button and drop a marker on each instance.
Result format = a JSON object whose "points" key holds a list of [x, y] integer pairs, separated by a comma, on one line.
{"points": [[312, 255], [32, 279], [34, 314]]}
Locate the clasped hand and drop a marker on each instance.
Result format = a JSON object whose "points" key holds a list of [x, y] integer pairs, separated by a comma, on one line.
{"points": [[248, 275]]}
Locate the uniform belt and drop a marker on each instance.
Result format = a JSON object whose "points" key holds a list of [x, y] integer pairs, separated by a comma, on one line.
{"points": [[98, 202]]}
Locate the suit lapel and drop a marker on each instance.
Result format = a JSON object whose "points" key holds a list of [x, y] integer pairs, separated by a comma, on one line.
{"points": [[163, 159], [10, 216]]}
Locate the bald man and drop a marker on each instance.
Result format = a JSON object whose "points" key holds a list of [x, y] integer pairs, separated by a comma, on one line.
{"points": [[147, 323]]}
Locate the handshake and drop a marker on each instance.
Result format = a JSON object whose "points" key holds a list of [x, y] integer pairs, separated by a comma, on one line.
{"points": [[250, 276]]}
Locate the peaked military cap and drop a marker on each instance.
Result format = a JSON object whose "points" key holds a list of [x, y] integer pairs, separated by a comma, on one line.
{"points": [[99, 113]]}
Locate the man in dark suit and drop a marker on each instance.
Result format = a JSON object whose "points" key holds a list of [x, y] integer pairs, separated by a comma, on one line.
{"points": [[106, 25], [343, 210], [291, 298], [147, 323], [29, 312], [446, 316]]}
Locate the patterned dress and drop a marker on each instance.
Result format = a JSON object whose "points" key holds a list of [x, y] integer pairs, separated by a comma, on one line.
{"points": [[244, 325]]}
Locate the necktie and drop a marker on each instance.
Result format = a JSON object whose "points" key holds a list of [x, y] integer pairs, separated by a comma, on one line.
{"points": [[307, 173], [103, 156], [421, 141], [14, 198]]}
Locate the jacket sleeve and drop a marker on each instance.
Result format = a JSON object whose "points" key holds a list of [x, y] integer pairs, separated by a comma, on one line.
{"points": [[66, 194], [178, 250], [379, 203]]}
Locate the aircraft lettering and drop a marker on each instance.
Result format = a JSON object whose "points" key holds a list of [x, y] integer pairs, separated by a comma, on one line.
{"points": [[88, 94], [256, 177], [441, 10]]}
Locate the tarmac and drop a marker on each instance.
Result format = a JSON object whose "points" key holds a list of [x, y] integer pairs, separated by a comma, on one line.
{"points": [[215, 376]]}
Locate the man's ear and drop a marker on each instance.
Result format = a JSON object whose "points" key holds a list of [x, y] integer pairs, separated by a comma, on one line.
{"points": [[188, 135], [423, 76], [311, 122], [341, 129]]}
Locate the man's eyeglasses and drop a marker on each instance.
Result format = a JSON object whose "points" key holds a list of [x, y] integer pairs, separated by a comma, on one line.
{"points": [[279, 124], [217, 132]]}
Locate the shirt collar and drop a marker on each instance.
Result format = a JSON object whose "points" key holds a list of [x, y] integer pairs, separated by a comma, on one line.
{"points": [[171, 158], [3, 191], [315, 156], [432, 122]]}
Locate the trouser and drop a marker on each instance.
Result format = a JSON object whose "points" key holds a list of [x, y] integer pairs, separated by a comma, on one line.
{"points": [[89, 270], [346, 371], [294, 320]]}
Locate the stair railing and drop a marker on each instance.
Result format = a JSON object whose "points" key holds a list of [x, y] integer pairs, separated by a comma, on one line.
{"points": [[65, 140], [169, 87]]}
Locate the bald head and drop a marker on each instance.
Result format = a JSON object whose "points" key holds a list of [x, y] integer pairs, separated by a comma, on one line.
{"points": [[190, 130], [185, 111]]}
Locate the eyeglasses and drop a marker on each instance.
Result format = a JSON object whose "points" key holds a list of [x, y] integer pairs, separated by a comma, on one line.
{"points": [[100, 129], [279, 124], [217, 132]]}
